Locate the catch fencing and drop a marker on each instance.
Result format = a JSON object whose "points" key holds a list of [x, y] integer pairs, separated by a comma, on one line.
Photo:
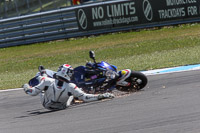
{"points": [[96, 18]]}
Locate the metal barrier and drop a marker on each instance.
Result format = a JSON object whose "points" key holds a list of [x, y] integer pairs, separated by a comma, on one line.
{"points": [[38, 27], [95, 18]]}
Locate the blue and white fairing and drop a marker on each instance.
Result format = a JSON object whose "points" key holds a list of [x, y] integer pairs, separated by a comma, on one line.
{"points": [[122, 75], [107, 66]]}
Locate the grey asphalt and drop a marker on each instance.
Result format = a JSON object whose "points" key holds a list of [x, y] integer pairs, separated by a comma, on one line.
{"points": [[169, 104]]}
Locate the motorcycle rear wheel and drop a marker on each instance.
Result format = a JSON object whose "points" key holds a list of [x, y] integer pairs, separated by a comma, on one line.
{"points": [[137, 82]]}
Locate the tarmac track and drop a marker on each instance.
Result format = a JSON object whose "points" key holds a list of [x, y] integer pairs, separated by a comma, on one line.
{"points": [[169, 104]]}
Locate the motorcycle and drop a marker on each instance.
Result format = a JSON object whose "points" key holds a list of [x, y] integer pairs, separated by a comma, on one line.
{"points": [[104, 77], [99, 77]]}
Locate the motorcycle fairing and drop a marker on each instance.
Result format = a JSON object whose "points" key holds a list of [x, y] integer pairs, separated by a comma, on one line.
{"points": [[106, 65], [124, 74], [80, 78], [79, 75]]}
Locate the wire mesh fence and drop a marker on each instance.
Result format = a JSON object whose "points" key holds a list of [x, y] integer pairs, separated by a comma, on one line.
{"points": [[11, 8]]}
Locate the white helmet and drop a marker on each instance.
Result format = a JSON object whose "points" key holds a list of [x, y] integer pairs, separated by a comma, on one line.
{"points": [[65, 71]]}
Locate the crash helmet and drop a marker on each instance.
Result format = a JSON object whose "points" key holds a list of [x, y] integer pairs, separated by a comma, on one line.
{"points": [[65, 72]]}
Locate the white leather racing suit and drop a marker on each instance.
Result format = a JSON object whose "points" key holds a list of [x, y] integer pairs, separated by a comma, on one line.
{"points": [[54, 97]]}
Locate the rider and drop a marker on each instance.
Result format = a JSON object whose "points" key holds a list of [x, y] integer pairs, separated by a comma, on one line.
{"points": [[56, 93]]}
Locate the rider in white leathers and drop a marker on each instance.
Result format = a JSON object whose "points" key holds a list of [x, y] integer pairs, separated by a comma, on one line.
{"points": [[56, 93]]}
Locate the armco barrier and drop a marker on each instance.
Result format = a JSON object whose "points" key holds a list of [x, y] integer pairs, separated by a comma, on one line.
{"points": [[97, 18]]}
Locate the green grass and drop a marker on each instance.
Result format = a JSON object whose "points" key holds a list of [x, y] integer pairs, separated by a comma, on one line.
{"points": [[141, 50]]}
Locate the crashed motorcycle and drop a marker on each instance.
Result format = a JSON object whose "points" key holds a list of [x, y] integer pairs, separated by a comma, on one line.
{"points": [[100, 77], [103, 77]]}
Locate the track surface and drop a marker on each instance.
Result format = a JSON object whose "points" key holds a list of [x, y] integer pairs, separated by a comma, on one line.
{"points": [[169, 104]]}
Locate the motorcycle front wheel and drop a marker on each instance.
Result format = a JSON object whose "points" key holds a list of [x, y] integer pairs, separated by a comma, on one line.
{"points": [[137, 82]]}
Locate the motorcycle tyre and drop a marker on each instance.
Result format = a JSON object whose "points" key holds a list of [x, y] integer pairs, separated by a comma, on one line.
{"points": [[134, 75]]}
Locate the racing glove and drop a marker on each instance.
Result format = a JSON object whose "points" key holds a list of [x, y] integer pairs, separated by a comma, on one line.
{"points": [[105, 96], [27, 89]]}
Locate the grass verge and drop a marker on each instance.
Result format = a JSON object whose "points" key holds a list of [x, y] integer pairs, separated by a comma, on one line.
{"points": [[142, 50]]}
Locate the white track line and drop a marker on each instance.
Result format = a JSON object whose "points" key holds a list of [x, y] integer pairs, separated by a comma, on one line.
{"points": [[16, 89]]}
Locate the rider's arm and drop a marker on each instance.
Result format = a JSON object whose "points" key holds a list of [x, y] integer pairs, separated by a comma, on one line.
{"points": [[33, 91]]}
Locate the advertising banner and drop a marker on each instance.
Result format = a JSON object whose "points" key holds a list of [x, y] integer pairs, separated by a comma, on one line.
{"points": [[135, 12]]}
